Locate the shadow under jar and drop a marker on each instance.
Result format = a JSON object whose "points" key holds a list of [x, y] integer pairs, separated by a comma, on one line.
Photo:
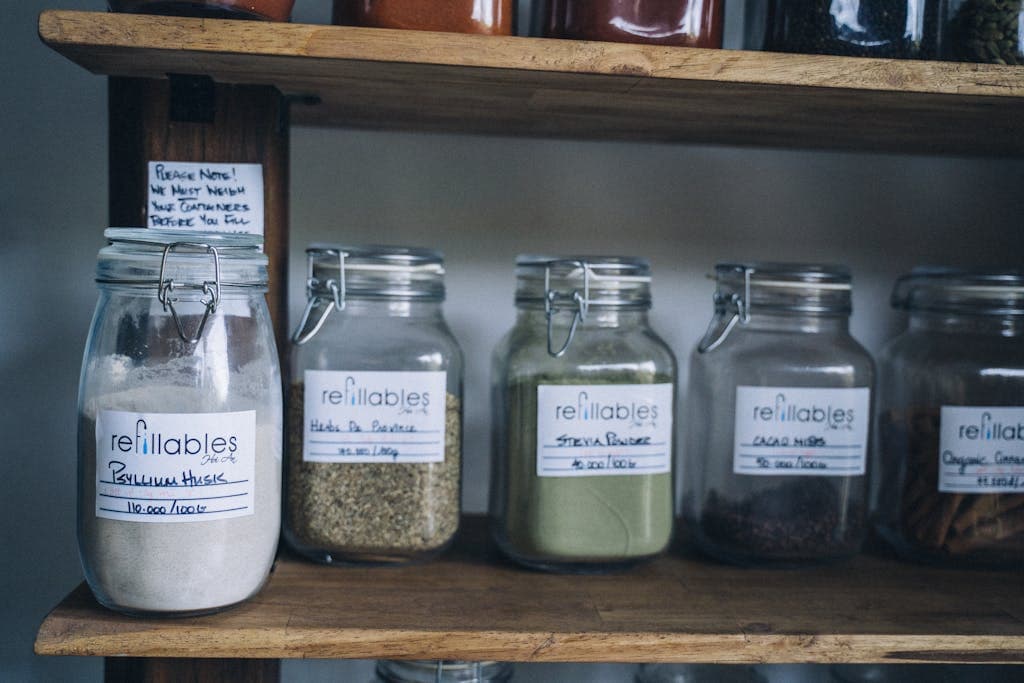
{"points": [[583, 412], [904, 29], [779, 411], [375, 410], [179, 436], [950, 435], [273, 10], [488, 17], [684, 23]]}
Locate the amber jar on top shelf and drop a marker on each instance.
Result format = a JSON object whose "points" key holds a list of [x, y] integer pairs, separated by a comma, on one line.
{"points": [[273, 10], [488, 17], [686, 23]]}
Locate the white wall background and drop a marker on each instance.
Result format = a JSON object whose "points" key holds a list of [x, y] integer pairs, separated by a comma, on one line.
{"points": [[482, 201]]}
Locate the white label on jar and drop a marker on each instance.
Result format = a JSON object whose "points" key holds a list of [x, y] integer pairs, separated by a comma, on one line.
{"points": [[782, 431], [175, 467], [396, 417], [981, 450], [207, 197], [603, 429]]}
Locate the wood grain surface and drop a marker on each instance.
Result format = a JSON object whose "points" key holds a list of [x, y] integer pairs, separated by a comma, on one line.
{"points": [[414, 80], [473, 605]]}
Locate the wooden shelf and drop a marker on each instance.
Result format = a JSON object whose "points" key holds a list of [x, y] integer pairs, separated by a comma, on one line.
{"points": [[472, 605], [410, 80]]}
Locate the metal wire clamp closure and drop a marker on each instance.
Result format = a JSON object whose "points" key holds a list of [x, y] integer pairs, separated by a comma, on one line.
{"points": [[740, 305], [313, 296], [211, 289], [551, 307]]}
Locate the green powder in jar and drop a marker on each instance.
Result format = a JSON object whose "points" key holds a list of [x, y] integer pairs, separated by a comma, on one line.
{"points": [[614, 518]]}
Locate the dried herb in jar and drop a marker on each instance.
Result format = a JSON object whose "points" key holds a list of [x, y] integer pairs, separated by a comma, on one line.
{"points": [[374, 511], [988, 31]]}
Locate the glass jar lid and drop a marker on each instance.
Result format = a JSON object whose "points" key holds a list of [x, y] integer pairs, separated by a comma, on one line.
{"points": [[574, 284], [949, 290], [443, 671], [337, 273], [776, 289]]}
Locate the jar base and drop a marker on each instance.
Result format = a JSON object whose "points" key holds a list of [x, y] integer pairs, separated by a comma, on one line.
{"points": [[365, 558], [728, 554], [191, 9], [175, 614]]}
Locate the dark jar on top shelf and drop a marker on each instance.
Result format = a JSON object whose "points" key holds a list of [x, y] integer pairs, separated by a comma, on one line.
{"points": [[985, 31], [273, 10], [779, 411], [902, 29], [686, 23], [950, 436], [487, 17]]}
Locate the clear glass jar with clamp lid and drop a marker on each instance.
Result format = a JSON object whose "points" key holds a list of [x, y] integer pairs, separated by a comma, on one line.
{"points": [[442, 671], [950, 456], [375, 413], [779, 411], [179, 437], [583, 413]]}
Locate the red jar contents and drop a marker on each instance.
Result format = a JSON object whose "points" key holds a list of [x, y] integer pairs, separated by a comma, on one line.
{"points": [[687, 23], [489, 17], [274, 10]]}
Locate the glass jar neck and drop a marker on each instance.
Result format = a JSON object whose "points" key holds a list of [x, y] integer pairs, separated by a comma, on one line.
{"points": [[959, 323], [597, 316], [804, 323], [394, 308]]}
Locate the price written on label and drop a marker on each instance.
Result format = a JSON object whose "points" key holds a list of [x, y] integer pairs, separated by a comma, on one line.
{"points": [[208, 197]]}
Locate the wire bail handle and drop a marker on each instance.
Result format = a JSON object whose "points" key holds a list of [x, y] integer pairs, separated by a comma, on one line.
{"points": [[551, 308], [165, 288], [740, 305], [314, 298]]}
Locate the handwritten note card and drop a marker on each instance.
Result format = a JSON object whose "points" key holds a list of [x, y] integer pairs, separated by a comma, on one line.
{"points": [[209, 197]]}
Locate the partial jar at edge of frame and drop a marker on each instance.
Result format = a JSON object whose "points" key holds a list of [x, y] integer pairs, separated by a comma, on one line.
{"points": [[950, 432], [779, 410], [583, 398], [374, 464], [683, 23]]}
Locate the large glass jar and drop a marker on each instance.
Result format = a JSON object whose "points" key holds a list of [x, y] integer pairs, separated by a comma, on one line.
{"points": [[488, 17], [687, 23], [274, 10], [583, 410], [375, 409], [985, 31], [779, 411], [442, 671], [950, 471], [907, 29], [179, 433]]}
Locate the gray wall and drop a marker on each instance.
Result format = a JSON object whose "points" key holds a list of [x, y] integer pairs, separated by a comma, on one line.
{"points": [[481, 200]]}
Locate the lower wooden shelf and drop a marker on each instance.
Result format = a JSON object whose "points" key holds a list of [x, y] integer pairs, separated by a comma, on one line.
{"points": [[472, 605]]}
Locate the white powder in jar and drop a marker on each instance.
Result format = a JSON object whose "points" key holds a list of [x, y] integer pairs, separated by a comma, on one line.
{"points": [[181, 567]]}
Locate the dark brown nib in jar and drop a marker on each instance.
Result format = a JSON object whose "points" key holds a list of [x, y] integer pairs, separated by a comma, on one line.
{"points": [[984, 527], [686, 23], [795, 522]]}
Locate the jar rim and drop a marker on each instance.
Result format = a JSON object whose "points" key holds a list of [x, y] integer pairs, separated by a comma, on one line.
{"points": [[959, 290], [381, 257], [161, 238], [791, 275]]}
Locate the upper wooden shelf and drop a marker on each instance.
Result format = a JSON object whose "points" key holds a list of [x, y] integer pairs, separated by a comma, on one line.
{"points": [[412, 80], [471, 605]]}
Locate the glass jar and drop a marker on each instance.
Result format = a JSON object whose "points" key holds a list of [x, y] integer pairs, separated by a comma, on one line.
{"points": [[687, 23], [698, 673], [274, 10], [375, 409], [179, 432], [442, 671], [907, 29], [489, 17], [583, 410], [779, 410], [950, 435], [985, 31]]}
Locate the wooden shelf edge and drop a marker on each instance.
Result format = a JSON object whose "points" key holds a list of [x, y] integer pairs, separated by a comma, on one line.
{"points": [[68, 31]]}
